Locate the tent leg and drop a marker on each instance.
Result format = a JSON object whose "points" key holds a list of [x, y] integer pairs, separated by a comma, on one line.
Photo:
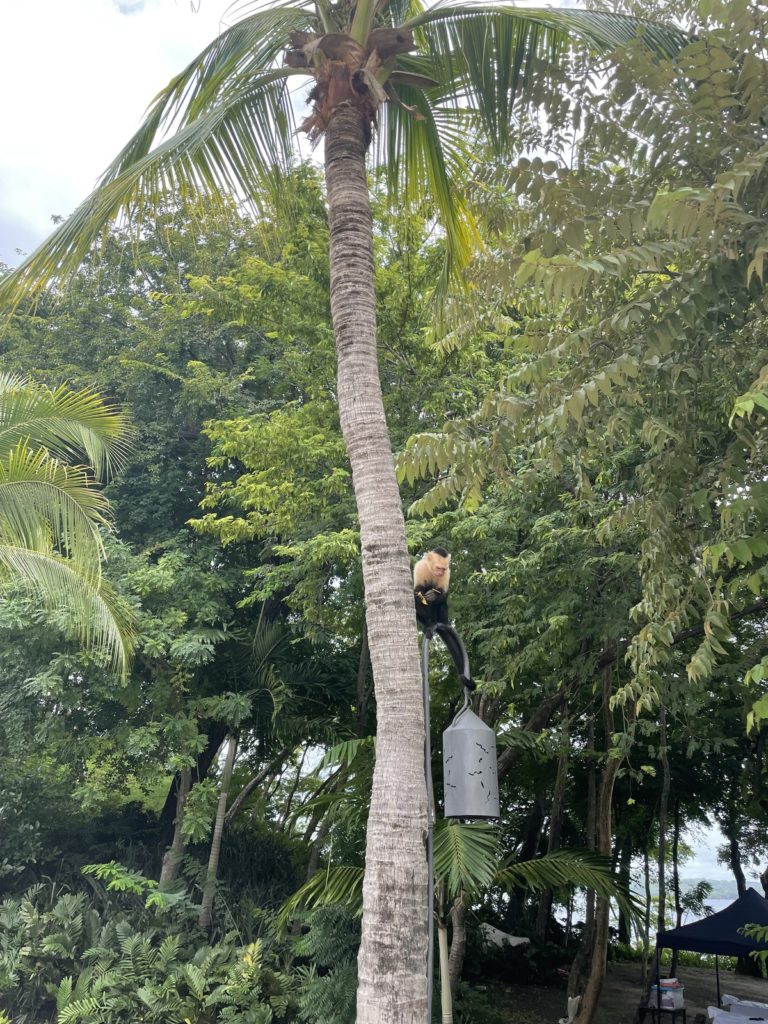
{"points": [[717, 976], [657, 1016]]}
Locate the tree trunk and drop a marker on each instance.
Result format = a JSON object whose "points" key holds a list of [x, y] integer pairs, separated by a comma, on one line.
{"points": [[275, 765], [458, 941], [216, 733], [734, 857], [294, 787], [555, 829], [529, 848], [392, 982], [596, 975], [625, 868], [441, 920], [663, 805], [594, 983], [204, 919], [172, 859], [581, 965], [361, 711], [676, 819], [646, 967], [446, 998]]}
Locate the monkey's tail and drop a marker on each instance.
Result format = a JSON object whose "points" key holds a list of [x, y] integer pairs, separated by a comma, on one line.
{"points": [[457, 651]]}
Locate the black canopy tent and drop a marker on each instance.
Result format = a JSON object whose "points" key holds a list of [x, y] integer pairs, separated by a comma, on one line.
{"points": [[720, 934]]}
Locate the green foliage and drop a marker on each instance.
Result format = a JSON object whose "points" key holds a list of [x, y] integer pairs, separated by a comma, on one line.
{"points": [[329, 986], [465, 855], [586, 435], [52, 515], [339, 885], [759, 934], [566, 869], [57, 951]]}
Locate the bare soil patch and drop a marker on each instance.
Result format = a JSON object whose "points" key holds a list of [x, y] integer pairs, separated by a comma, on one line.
{"points": [[536, 1004]]}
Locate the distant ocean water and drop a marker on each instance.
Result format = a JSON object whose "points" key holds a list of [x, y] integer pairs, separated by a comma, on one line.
{"points": [[716, 906]]}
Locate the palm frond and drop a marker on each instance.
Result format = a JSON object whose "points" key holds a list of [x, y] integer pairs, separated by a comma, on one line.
{"points": [[240, 54], [492, 57], [465, 855], [269, 641], [567, 869], [398, 11], [67, 423], [345, 753], [425, 156], [603, 30], [35, 489], [342, 884], [98, 617], [231, 146]]}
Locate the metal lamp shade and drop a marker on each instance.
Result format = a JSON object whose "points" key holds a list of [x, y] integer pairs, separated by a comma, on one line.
{"points": [[469, 768]]}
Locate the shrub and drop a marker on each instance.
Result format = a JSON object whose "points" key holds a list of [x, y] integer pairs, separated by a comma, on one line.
{"points": [[131, 965]]}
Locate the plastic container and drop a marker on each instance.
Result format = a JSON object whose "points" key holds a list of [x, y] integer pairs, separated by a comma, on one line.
{"points": [[672, 996]]}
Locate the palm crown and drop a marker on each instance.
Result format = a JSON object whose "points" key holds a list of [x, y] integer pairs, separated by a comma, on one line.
{"points": [[226, 121]]}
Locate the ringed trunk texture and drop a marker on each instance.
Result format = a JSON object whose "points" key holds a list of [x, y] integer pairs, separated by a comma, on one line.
{"points": [[392, 964], [206, 908], [446, 999]]}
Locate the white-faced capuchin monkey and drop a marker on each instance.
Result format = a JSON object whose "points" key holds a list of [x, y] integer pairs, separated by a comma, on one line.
{"points": [[431, 579]]}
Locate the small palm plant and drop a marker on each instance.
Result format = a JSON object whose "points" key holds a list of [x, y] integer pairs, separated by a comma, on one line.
{"points": [[52, 512]]}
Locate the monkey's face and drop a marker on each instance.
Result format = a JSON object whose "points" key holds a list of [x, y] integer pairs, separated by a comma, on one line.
{"points": [[439, 565]]}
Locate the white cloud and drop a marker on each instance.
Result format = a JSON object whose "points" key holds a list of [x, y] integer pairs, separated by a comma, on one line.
{"points": [[75, 79]]}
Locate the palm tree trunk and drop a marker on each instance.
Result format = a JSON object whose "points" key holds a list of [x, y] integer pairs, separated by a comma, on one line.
{"points": [[441, 920], [446, 999], [594, 982], [204, 919], [361, 709], [392, 963]]}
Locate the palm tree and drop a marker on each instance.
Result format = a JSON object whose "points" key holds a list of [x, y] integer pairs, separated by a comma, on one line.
{"points": [[428, 79], [52, 513], [466, 866]]}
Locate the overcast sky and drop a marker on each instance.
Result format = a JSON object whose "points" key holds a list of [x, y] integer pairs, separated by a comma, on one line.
{"points": [[75, 78]]}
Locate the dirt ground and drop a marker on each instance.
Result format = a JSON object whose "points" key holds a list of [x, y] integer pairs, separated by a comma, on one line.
{"points": [[529, 1004]]}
